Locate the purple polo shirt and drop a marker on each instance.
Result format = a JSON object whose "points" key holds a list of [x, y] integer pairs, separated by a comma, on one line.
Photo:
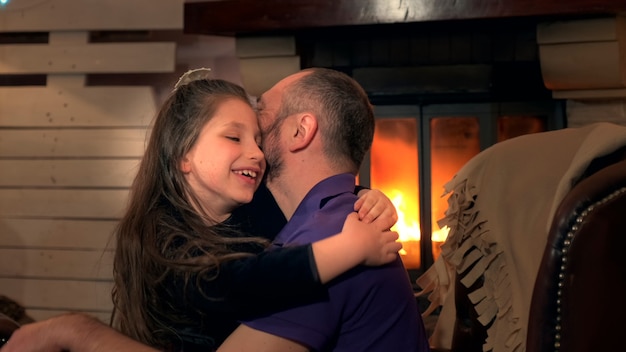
{"points": [[369, 308]]}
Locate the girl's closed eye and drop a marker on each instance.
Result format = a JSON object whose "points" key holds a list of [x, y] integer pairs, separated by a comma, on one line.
{"points": [[232, 138]]}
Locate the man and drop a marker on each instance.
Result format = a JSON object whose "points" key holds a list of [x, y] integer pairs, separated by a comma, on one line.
{"points": [[317, 126]]}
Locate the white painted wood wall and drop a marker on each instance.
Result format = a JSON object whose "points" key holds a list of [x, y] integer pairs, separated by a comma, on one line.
{"points": [[68, 152]]}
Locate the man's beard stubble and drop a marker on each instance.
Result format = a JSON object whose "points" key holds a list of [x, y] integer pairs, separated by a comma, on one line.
{"points": [[273, 152]]}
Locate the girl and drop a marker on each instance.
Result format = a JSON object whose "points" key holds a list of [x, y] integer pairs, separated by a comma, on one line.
{"points": [[187, 266]]}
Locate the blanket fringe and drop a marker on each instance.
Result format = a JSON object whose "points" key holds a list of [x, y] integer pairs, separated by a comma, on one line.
{"points": [[470, 253]]}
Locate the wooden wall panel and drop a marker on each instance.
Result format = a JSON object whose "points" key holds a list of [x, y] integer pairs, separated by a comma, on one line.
{"points": [[67, 173], [69, 152], [67, 15], [67, 295], [92, 58], [64, 264], [64, 106], [72, 143], [57, 234], [62, 203]]}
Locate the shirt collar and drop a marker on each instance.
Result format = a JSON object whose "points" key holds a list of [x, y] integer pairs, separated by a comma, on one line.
{"points": [[315, 200], [325, 190]]}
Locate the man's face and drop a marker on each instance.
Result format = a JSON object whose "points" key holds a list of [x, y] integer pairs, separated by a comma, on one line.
{"points": [[271, 124]]}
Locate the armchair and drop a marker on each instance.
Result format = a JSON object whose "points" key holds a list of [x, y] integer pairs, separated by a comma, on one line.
{"points": [[500, 280], [579, 299]]}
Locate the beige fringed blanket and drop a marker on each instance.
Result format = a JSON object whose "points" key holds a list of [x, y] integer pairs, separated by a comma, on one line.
{"points": [[499, 213]]}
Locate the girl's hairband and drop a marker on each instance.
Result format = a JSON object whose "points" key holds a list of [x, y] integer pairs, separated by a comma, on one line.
{"points": [[193, 75]]}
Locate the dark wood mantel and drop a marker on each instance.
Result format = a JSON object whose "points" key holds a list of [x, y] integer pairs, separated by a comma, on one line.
{"points": [[231, 17]]}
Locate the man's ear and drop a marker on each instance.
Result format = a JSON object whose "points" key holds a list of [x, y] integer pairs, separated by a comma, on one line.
{"points": [[306, 128]]}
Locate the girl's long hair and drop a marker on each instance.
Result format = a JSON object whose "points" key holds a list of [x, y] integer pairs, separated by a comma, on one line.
{"points": [[163, 235]]}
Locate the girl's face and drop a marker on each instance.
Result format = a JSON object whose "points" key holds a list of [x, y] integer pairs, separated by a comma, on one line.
{"points": [[225, 166]]}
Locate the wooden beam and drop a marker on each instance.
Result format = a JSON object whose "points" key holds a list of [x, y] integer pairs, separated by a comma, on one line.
{"points": [[253, 16]]}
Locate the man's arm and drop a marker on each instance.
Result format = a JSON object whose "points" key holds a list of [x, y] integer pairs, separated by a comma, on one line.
{"points": [[71, 332], [245, 339]]}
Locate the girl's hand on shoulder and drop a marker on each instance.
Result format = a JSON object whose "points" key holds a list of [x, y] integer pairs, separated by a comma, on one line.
{"points": [[377, 246], [373, 206]]}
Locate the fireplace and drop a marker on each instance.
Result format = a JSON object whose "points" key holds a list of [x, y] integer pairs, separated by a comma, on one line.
{"points": [[418, 148]]}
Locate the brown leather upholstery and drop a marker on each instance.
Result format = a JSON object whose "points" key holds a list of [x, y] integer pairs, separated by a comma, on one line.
{"points": [[579, 299]]}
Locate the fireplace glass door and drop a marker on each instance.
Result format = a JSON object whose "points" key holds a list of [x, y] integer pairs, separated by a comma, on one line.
{"points": [[417, 149]]}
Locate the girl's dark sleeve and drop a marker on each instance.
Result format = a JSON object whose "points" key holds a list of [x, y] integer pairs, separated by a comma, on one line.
{"points": [[268, 282], [358, 189]]}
